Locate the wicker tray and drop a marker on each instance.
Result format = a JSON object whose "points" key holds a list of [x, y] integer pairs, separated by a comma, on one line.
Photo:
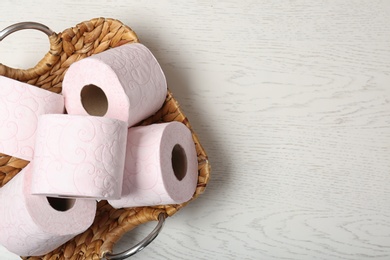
{"points": [[83, 40]]}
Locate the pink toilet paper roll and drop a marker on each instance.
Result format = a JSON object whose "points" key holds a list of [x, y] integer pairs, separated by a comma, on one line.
{"points": [[125, 83], [32, 225], [161, 166], [79, 156], [20, 106]]}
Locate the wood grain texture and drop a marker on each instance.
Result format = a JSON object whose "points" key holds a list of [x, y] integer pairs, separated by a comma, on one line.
{"points": [[291, 100]]}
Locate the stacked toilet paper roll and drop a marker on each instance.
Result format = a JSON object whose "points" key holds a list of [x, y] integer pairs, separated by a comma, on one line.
{"points": [[79, 156], [161, 166], [125, 83], [32, 225], [20, 106]]}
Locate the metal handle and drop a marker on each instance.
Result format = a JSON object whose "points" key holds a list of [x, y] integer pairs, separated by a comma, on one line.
{"points": [[25, 25], [141, 245]]}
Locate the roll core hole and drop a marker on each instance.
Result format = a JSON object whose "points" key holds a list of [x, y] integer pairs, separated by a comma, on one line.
{"points": [[61, 204], [179, 162], [94, 100]]}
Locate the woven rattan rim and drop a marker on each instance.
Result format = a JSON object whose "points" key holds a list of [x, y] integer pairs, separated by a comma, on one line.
{"points": [[83, 40]]}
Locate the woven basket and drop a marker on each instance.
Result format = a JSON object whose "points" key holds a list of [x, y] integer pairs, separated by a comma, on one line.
{"points": [[83, 40]]}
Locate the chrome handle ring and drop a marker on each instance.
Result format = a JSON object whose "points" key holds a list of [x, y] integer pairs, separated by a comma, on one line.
{"points": [[25, 25], [141, 245]]}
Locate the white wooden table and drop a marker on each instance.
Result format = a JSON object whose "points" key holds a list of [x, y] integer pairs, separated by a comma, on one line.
{"points": [[291, 100]]}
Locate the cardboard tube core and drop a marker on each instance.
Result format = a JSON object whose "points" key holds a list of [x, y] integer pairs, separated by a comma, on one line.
{"points": [[94, 100], [61, 204], [179, 162]]}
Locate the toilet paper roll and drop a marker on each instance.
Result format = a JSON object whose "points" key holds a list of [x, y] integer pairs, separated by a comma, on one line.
{"points": [[161, 166], [32, 225], [125, 83], [20, 106], [79, 156]]}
